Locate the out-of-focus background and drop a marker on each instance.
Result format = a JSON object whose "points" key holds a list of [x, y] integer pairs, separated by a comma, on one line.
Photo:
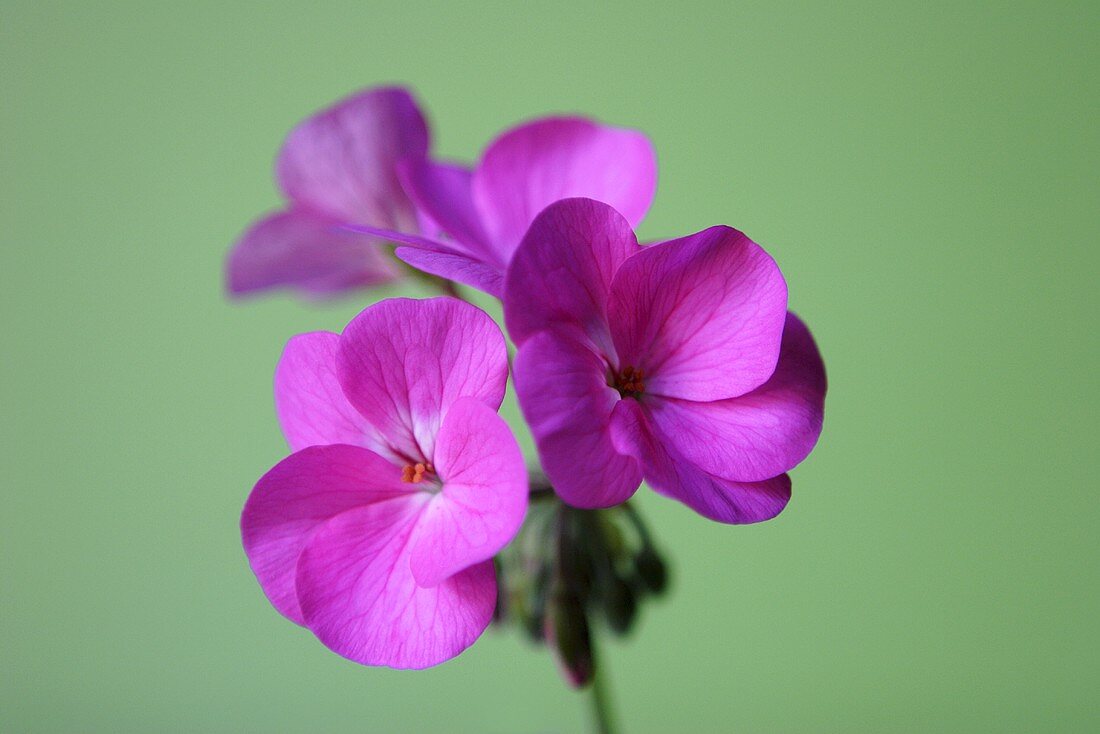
{"points": [[926, 176]]}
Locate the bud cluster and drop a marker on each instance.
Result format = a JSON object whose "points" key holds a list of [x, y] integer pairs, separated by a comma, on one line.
{"points": [[570, 570]]}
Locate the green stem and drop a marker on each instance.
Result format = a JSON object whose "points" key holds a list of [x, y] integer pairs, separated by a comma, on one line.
{"points": [[602, 714]]}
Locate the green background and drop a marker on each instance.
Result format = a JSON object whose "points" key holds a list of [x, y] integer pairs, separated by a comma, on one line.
{"points": [[926, 176]]}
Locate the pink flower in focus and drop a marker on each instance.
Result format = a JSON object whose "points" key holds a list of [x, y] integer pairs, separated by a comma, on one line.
{"points": [[335, 168], [482, 215], [677, 363], [378, 533]]}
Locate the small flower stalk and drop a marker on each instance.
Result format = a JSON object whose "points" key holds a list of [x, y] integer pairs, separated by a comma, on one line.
{"points": [[405, 518]]}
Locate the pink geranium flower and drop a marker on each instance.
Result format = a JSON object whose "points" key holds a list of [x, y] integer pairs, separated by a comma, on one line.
{"points": [[677, 363], [378, 532], [335, 168], [482, 215]]}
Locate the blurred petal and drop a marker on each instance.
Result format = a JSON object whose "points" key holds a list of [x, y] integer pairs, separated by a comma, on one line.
{"points": [[702, 316], [531, 166], [669, 473], [446, 259], [561, 274], [307, 252], [455, 266], [442, 191], [402, 363], [758, 435], [358, 595], [343, 160], [484, 494], [562, 387], [299, 494]]}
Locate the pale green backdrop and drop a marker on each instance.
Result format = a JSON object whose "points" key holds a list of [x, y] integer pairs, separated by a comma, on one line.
{"points": [[926, 176]]}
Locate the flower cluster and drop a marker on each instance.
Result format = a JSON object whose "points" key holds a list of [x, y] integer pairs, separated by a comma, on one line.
{"points": [[388, 528]]}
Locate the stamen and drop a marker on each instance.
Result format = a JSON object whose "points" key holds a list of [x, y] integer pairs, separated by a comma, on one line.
{"points": [[415, 473], [629, 382]]}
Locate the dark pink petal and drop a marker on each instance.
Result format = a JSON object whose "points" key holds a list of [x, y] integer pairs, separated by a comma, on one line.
{"points": [[415, 240], [358, 595], [459, 267], [531, 166], [343, 160], [403, 363], [309, 401], [307, 252], [442, 192], [563, 391], [670, 473], [561, 274], [299, 494], [702, 316], [484, 496], [447, 259], [758, 435]]}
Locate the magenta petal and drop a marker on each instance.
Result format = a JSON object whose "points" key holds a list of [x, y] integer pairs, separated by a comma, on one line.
{"points": [[758, 435], [484, 496], [455, 266], [702, 316], [562, 272], [343, 160], [299, 494], [310, 403], [403, 363], [423, 242], [446, 259], [673, 475], [563, 391], [358, 595], [308, 252], [442, 192], [531, 166]]}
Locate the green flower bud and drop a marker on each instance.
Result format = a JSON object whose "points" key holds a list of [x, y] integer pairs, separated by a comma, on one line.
{"points": [[651, 570], [568, 635]]}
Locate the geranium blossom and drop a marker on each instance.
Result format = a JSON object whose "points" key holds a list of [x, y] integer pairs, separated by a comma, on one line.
{"points": [[378, 532], [335, 168], [483, 214], [676, 362]]}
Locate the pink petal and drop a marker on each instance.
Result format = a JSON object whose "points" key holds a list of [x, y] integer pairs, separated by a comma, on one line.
{"points": [[307, 252], [702, 316], [358, 595], [343, 160], [484, 496], [403, 363], [447, 259], [531, 166], [309, 401], [562, 272], [563, 391], [442, 191], [299, 494], [669, 473], [758, 435], [415, 240], [455, 266]]}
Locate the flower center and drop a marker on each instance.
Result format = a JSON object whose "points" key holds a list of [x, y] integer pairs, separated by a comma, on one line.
{"points": [[628, 381], [416, 473]]}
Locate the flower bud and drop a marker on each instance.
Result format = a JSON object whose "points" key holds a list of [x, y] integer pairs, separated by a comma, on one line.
{"points": [[620, 606], [575, 566], [651, 570], [568, 635], [534, 607]]}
